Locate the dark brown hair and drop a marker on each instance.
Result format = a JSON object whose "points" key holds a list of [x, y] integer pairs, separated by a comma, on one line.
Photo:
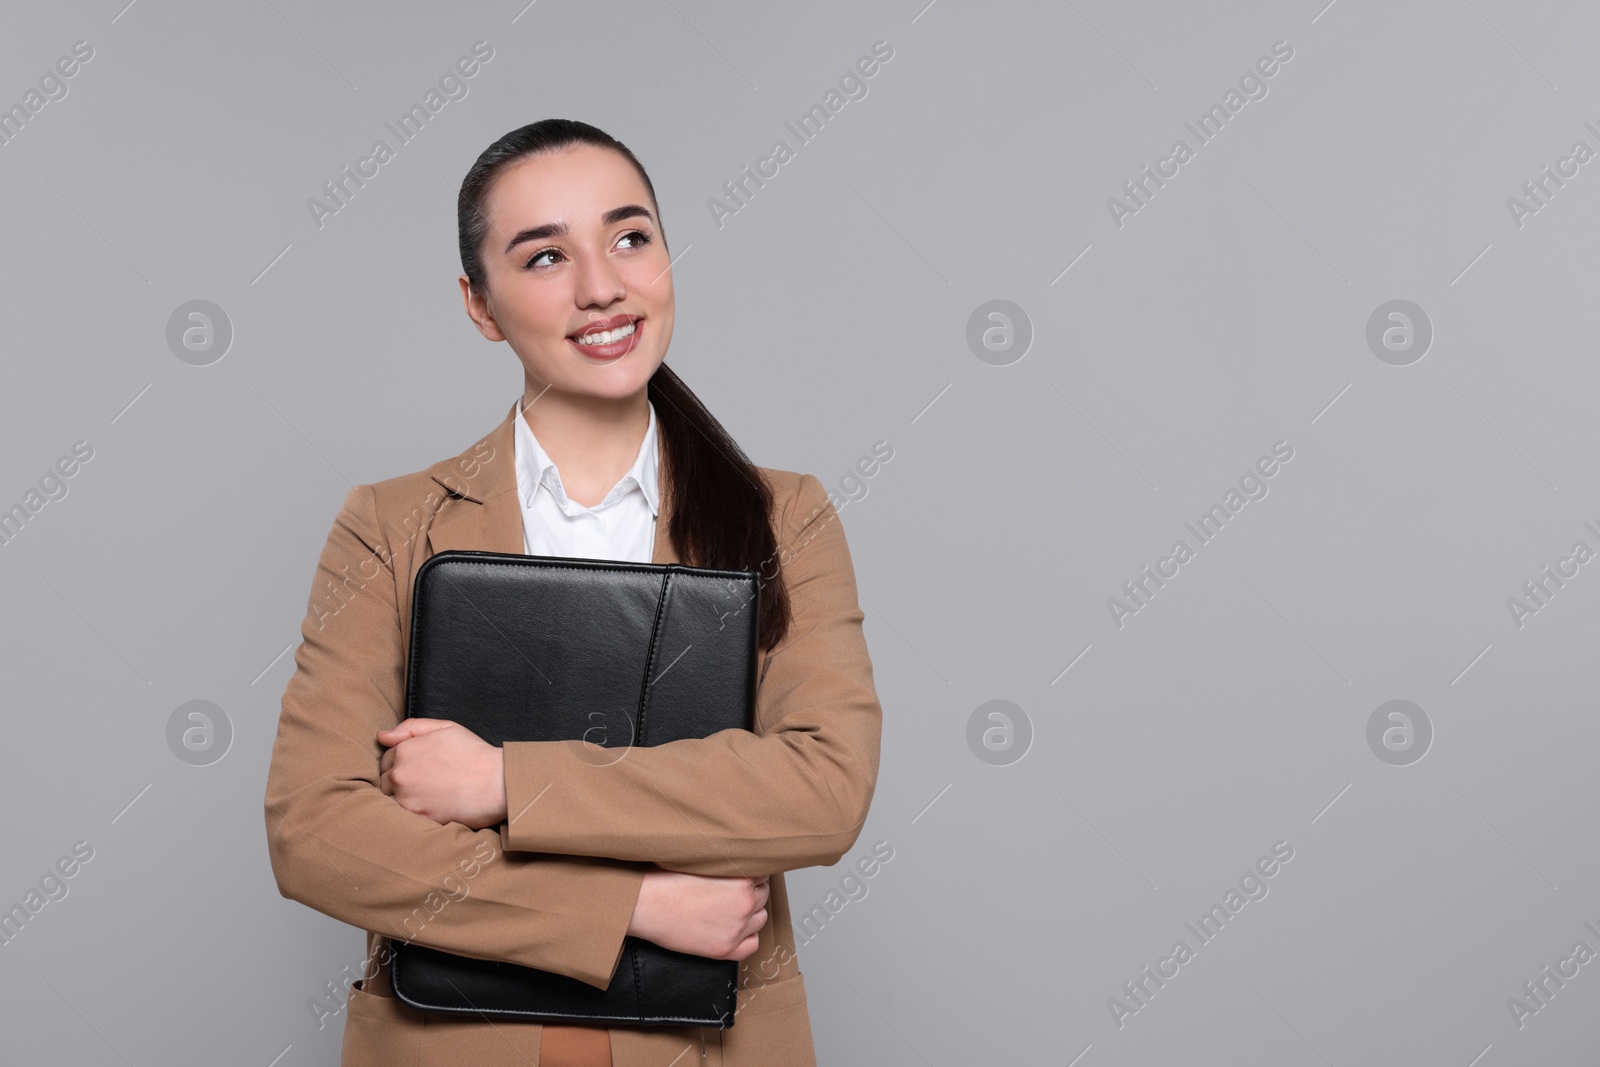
{"points": [[720, 503]]}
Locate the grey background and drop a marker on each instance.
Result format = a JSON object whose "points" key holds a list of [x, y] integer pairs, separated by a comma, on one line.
{"points": [[831, 312]]}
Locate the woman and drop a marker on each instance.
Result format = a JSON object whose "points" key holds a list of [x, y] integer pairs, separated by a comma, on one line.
{"points": [[410, 828]]}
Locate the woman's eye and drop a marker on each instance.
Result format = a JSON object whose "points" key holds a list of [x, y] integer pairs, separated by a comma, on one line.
{"points": [[638, 237]]}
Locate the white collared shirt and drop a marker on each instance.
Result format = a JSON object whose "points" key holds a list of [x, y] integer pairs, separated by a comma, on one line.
{"points": [[622, 526]]}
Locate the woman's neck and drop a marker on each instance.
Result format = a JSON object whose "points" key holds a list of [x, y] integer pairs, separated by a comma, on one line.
{"points": [[592, 440]]}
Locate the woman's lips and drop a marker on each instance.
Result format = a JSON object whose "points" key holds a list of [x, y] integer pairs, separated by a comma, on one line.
{"points": [[615, 349]]}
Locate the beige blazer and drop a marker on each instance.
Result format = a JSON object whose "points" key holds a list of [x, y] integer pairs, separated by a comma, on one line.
{"points": [[556, 887]]}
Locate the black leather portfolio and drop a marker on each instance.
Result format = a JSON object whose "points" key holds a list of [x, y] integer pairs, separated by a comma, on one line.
{"points": [[554, 648]]}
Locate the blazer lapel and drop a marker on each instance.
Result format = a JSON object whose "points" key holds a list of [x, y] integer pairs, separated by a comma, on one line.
{"points": [[488, 515]]}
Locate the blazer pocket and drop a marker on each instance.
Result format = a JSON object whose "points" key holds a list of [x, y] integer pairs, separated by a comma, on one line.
{"points": [[772, 1027], [379, 1031], [774, 996]]}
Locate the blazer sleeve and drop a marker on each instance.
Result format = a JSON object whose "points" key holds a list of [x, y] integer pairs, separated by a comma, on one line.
{"points": [[792, 793], [339, 844]]}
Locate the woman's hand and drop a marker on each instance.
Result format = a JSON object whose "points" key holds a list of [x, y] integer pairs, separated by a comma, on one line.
{"points": [[703, 915], [443, 770], [440, 769]]}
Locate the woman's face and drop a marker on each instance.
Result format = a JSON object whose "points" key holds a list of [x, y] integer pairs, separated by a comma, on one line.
{"points": [[573, 242]]}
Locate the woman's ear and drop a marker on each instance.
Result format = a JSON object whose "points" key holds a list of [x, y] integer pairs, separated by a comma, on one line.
{"points": [[479, 310]]}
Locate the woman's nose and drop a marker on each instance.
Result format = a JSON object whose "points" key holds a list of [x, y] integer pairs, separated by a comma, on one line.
{"points": [[599, 283]]}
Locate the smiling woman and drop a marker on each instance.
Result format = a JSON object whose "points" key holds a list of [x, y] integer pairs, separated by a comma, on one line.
{"points": [[564, 258]]}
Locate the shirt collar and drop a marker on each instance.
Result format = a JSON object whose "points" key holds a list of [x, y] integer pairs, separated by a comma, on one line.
{"points": [[535, 468]]}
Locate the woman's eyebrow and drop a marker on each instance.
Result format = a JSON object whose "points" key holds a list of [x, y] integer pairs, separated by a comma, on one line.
{"points": [[560, 229]]}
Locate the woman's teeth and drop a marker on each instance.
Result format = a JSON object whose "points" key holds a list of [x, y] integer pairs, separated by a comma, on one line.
{"points": [[606, 337]]}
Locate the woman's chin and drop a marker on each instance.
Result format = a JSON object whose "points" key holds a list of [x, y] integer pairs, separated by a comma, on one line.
{"points": [[619, 384]]}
